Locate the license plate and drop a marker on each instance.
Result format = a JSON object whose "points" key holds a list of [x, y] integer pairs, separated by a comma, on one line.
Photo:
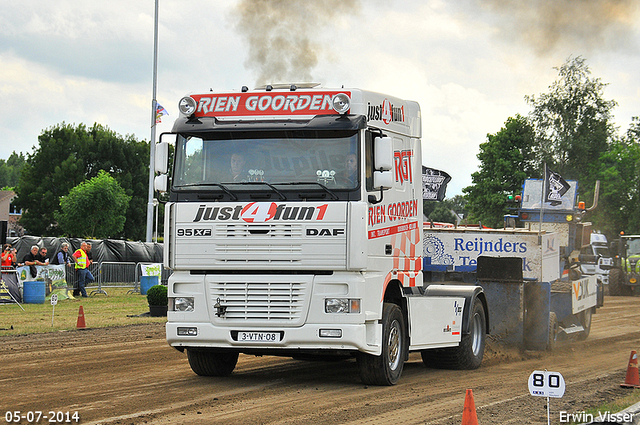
{"points": [[259, 336]]}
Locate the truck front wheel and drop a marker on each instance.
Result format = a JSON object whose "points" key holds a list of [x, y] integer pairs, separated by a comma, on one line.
{"points": [[212, 363], [386, 368]]}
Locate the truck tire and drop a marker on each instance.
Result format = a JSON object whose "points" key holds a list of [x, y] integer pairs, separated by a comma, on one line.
{"points": [[468, 355], [212, 363], [585, 320], [553, 331], [386, 368], [615, 282]]}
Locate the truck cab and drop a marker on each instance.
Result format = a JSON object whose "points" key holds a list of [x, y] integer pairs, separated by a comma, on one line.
{"points": [[293, 228], [595, 258]]}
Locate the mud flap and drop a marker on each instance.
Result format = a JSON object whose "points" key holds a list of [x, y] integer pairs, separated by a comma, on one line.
{"points": [[537, 303]]}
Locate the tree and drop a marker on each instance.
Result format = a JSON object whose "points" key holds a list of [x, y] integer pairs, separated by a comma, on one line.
{"points": [[445, 211], [619, 175], [10, 169], [506, 160], [67, 156], [94, 209], [572, 123]]}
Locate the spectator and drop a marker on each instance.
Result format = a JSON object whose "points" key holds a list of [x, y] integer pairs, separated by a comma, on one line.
{"points": [[32, 259], [8, 256], [89, 254], [63, 256], [84, 275], [42, 256]]}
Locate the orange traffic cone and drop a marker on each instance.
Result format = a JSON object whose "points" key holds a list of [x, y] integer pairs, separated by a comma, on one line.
{"points": [[469, 416], [81, 324], [632, 380]]}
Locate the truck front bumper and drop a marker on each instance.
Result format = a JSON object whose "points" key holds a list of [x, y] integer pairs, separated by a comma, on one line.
{"points": [[309, 337]]}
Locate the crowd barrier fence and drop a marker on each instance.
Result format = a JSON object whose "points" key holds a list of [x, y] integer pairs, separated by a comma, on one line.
{"points": [[109, 274]]}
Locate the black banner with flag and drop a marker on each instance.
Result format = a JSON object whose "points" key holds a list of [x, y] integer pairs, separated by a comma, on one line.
{"points": [[555, 187], [434, 184]]}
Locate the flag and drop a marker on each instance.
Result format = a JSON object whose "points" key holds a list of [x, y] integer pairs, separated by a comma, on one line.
{"points": [[555, 187], [160, 111], [434, 184]]}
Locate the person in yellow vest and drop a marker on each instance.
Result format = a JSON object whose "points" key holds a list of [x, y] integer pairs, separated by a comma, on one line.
{"points": [[84, 275]]}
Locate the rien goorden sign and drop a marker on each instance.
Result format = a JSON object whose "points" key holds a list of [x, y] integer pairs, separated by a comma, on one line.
{"points": [[265, 104]]}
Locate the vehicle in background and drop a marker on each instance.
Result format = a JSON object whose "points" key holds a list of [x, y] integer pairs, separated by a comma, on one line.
{"points": [[596, 259], [624, 277]]}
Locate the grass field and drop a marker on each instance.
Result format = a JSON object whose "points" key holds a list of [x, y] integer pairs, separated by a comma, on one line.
{"points": [[615, 406], [115, 309]]}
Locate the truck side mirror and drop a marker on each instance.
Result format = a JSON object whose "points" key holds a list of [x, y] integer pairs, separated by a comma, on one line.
{"points": [[160, 183], [382, 164], [382, 180], [383, 147], [162, 152], [162, 157]]}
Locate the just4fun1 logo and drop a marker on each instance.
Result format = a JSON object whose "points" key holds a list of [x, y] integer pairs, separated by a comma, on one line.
{"points": [[260, 212]]}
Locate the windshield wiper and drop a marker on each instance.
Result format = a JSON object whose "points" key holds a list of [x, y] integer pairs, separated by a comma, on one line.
{"points": [[272, 187], [325, 188], [224, 188]]}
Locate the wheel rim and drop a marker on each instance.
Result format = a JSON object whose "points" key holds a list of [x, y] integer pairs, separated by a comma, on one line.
{"points": [[476, 334], [393, 345]]}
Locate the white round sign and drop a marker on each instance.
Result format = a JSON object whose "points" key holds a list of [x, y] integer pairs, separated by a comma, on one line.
{"points": [[54, 299], [546, 384]]}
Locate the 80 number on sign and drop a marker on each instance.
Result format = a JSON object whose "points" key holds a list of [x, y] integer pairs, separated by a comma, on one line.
{"points": [[546, 384]]}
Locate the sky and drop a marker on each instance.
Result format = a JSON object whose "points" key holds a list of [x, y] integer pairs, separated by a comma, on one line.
{"points": [[468, 63]]}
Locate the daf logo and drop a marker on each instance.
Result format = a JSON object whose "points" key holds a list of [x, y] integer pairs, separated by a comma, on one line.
{"points": [[324, 232]]}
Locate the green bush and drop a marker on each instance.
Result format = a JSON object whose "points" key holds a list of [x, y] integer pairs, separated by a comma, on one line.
{"points": [[157, 295]]}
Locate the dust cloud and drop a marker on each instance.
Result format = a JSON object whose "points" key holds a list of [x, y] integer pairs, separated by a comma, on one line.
{"points": [[548, 24], [283, 35]]}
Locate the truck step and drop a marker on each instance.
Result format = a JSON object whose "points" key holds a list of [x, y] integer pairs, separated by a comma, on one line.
{"points": [[571, 329]]}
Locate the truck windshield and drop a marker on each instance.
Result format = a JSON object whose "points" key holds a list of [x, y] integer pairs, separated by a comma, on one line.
{"points": [[633, 246], [329, 158]]}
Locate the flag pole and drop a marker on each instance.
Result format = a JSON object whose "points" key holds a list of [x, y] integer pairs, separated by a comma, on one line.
{"points": [[152, 143], [542, 199], [544, 190]]}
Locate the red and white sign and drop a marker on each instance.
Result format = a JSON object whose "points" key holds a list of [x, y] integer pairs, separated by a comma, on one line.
{"points": [[387, 231], [265, 104]]}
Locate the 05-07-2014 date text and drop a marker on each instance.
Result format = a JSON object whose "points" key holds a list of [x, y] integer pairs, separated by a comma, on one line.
{"points": [[36, 416]]}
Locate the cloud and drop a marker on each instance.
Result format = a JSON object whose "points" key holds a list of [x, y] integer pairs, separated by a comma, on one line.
{"points": [[89, 41]]}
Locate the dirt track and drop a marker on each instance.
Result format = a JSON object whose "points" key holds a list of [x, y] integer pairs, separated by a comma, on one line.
{"points": [[130, 375]]}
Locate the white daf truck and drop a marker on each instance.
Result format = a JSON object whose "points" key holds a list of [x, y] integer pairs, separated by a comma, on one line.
{"points": [[294, 228]]}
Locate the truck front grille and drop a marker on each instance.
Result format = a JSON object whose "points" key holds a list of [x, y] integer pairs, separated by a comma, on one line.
{"points": [[280, 303], [258, 243]]}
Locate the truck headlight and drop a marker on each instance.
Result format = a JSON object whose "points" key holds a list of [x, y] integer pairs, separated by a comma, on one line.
{"points": [[341, 305], [183, 304], [187, 105], [341, 103]]}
